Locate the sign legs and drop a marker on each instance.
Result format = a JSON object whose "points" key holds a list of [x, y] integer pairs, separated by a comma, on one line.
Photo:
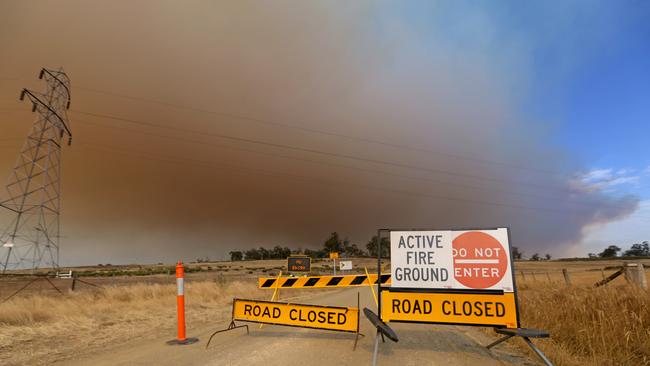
{"points": [[230, 327], [525, 334], [538, 352], [376, 349], [498, 341]]}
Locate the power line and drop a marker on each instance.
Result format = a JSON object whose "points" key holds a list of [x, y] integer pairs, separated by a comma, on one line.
{"points": [[407, 177], [315, 151], [322, 132], [327, 182], [149, 124]]}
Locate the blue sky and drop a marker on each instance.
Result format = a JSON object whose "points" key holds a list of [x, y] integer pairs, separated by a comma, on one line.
{"points": [[603, 104], [591, 80], [583, 70], [586, 66]]}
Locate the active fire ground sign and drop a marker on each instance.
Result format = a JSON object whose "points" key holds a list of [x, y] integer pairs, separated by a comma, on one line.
{"points": [[451, 277], [451, 259]]}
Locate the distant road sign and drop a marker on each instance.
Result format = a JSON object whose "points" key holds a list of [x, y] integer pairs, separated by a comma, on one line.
{"points": [[334, 255], [451, 259], [297, 315], [450, 308], [345, 265], [321, 281], [299, 264]]}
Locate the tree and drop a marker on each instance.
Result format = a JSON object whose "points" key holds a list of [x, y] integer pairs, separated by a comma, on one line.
{"points": [[352, 250], [264, 253], [279, 252], [252, 254], [316, 253], [516, 253], [638, 250], [333, 243], [548, 257], [372, 247], [236, 255], [535, 257], [610, 252]]}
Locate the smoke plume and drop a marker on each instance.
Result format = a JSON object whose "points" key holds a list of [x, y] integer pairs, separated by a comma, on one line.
{"points": [[285, 121]]}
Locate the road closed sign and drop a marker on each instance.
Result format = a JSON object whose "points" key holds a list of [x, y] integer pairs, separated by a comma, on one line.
{"points": [[451, 259], [447, 308], [297, 315]]}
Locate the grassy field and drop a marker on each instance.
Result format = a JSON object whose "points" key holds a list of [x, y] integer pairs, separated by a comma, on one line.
{"points": [[603, 326], [38, 329], [39, 325]]}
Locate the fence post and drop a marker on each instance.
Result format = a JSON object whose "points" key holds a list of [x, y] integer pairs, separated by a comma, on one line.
{"points": [[523, 277], [567, 279], [534, 278], [602, 272], [548, 276], [641, 279]]}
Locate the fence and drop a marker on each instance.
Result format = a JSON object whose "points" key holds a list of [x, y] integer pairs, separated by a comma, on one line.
{"points": [[633, 273]]}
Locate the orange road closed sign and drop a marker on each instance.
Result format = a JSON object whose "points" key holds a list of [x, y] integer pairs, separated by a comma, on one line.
{"points": [[450, 308], [297, 315]]}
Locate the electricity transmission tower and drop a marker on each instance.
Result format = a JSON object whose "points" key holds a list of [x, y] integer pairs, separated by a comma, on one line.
{"points": [[32, 197]]}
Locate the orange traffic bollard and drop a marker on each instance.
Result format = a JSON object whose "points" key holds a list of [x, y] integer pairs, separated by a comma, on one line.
{"points": [[180, 307]]}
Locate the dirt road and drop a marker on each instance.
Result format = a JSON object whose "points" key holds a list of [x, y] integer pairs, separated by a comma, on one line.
{"points": [[276, 345]]}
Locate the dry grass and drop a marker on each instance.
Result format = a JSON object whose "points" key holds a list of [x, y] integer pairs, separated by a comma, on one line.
{"points": [[53, 327], [603, 326]]}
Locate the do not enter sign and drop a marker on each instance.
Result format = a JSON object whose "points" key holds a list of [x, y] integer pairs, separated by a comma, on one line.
{"points": [[480, 261], [451, 259]]}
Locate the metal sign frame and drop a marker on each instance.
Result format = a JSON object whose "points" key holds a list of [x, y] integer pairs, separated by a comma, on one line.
{"points": [[380, 288], [524, 333]]}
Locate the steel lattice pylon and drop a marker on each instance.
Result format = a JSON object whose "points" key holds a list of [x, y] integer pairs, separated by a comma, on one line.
{"points": [[31, 237]]}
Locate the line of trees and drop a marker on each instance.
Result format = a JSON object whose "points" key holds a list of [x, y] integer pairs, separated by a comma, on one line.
{"points": [[347, 249], [517, 254], [636, 250], [333, 244]]}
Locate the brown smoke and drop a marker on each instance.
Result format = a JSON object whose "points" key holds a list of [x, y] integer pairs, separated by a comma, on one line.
{"points": [[135, 193]]}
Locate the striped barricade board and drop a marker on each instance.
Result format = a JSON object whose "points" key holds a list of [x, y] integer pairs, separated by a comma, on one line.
{"points": [[322, 281]]}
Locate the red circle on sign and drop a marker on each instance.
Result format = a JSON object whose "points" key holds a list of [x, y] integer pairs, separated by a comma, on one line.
{"points": [[480, 261]]}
